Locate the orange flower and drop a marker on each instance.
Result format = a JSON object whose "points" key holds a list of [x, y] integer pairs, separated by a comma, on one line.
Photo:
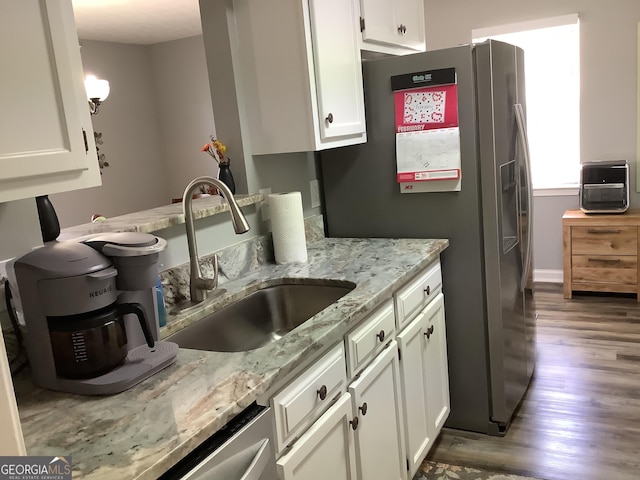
{"points": [[205, 148]]}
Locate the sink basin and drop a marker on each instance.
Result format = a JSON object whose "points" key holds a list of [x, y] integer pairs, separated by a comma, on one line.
{"points": [[261, 317]]}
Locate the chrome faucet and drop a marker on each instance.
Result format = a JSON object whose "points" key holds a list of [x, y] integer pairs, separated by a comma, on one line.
{"points": [[198, 285]]}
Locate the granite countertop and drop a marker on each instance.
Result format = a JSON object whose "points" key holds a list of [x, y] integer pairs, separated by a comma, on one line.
{"points": [[155, 219], [145, 430]]}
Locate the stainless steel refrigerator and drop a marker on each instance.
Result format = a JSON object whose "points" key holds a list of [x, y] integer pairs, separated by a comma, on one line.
{"points": [[487, 269]]}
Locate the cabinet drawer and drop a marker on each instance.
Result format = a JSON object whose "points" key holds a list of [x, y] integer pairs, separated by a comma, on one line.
{"points": [[604, 240], [299, 404], [411, 298], [613, 269], [370, 337]]}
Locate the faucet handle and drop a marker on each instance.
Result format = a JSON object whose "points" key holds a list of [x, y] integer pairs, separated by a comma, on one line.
{"points": [[204, 283]]}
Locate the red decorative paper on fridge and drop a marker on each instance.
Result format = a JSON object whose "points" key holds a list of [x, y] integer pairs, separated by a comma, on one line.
{"points": [[426, 108], [427, 134]]}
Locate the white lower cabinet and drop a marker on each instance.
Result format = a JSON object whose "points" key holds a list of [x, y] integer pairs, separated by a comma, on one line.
{"points": [[437, 372], [369, 416], [411, 344], [380, 452], [326, 450], [396, 399], [298, 405], [425, 380]]}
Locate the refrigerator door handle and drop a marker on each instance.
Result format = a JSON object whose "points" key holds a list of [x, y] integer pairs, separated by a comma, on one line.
{"points": [[520, 121]]}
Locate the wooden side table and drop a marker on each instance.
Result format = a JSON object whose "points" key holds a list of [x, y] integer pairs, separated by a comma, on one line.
{"points": [[600, 252]]}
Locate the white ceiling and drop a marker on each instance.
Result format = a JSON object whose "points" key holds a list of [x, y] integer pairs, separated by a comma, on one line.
{"points": [[137, 21]]}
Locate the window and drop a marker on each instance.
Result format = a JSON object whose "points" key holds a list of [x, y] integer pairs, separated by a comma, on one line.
{"points": [[552, 69]]}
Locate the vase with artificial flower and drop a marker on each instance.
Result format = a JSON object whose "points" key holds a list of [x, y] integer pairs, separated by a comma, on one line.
{"points": [[217, 150]]}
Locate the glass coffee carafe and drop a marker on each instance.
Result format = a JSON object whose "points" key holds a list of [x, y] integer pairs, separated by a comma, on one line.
{"points": [[91, 344]]}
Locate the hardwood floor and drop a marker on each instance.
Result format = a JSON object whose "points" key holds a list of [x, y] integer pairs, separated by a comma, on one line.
{"points": [[580, 418]]}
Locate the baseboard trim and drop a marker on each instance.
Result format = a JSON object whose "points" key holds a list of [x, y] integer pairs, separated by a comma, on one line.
{"points": [[547, 276]]}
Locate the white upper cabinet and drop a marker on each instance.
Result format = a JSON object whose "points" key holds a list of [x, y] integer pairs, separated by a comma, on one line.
{"points": [[301, 75], [392, 26], [46, 137]]}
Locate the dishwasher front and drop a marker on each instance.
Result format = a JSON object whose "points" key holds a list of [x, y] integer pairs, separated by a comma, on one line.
{"points": [[241, 450]]}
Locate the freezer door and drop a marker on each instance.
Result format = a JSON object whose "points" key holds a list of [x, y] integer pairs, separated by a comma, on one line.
{"points": [[497, 92]]}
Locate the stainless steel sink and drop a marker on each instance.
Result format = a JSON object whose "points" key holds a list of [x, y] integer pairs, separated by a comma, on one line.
{"points": [[261, 317]]}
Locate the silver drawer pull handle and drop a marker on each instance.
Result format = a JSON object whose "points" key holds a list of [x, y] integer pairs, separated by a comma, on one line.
{"points": [[603, 232]]}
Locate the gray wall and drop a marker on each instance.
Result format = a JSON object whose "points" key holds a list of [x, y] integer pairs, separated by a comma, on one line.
{"points": [[128, 120], [547, 235], [154, 122], [608, 85], [281, 173], [19, 229], [157, 117], [185, 116]]}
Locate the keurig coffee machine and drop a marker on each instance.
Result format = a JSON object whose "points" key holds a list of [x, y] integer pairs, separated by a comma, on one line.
{"points": [[90, 313]]}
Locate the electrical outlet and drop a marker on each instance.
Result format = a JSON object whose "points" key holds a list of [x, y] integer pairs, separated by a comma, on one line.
{"points": [[264, 205], [315, 193]]}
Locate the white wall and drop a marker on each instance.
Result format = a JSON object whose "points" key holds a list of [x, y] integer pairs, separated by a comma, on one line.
{"points": [[608, 85], [128, 120]]}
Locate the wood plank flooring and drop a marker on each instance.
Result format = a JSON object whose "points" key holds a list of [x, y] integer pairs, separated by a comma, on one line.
{"points": [[580, 418]]}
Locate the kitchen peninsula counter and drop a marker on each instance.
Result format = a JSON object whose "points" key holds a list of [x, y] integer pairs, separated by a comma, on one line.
{"points": [[155, 219], [142, 432]]}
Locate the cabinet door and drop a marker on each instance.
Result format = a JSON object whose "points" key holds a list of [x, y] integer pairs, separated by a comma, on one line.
{"points": [[437, 366], [413, 372], [410, 17], [11, 441], [379, 21], [380, 432], [397, 23], [46, 138], [326, 450], [338, 71], [301, 402]]}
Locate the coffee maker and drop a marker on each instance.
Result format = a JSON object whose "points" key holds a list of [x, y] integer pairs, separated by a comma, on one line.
{"points": [[90, 312]]}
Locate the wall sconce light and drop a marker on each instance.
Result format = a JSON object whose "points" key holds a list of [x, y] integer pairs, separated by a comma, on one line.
{"points": [[97, 92]]}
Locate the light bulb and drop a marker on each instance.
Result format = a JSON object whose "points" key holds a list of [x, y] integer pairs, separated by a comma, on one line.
{"points": [[96, 88]]}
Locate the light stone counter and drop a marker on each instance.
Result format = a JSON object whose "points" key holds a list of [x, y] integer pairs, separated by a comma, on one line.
{"points": [[142, 432], [155, 219]]}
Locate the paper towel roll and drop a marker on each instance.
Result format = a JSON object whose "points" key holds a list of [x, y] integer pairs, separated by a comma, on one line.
{"points": [[287, 224]]}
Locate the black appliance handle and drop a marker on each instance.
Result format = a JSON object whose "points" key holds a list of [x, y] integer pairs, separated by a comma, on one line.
{"points": [[138, 311]]}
